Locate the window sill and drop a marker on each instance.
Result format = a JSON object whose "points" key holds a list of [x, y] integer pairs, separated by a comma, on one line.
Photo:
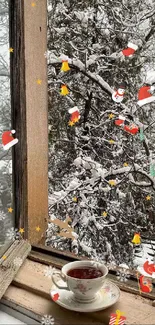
{"points": [[49, 256], [29, 293]]}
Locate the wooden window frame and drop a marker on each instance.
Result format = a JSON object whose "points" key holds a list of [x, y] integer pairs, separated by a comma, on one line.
{"points": [[28, 38]]}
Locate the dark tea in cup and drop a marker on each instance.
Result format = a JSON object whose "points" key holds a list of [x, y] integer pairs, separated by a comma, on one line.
{"points": [[83, 278], [85, 273]]}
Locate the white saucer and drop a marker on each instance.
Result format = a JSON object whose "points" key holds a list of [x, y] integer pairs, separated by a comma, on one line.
{"points": [[106, 297]]}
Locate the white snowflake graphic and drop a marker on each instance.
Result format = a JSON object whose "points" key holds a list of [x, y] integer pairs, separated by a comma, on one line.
{"points": [[17, 261], [47, 320], [47, 54], [122, 276], [13, 234], [49, 270], [2, 216]]}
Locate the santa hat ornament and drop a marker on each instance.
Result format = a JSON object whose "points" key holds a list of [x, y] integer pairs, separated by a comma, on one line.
{"points": [[130, 50], [118, 95], [7, 139], [145, 95], [75, 115]]}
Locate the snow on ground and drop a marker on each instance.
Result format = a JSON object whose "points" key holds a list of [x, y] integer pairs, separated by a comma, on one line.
{"points": [[146, 252]]}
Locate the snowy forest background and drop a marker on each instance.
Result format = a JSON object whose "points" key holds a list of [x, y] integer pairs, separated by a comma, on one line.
{"points": [[81, 158]]}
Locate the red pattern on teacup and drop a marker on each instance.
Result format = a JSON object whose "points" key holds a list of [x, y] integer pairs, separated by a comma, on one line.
{"points": [[54, 295]]}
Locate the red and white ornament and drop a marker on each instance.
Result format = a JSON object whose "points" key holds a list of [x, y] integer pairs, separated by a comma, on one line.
{"points": [[117, 318], [145, 95], [129, 127], [120, 121], [148, 269], [118, 95], [75, 114], [145, 284], [130, 50], [7, 139]]}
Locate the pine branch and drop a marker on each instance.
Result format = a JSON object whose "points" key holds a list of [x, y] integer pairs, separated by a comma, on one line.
{"points": [[78, 65], [120, 171]]}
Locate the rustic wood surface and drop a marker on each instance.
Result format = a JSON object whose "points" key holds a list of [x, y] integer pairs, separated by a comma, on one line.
{"points": [[58, 259], [35, 30], [8, 269], [18, 112], [30, 290], [28, 38]]}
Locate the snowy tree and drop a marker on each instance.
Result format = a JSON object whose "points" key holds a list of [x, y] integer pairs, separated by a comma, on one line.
{"points": [[104, 167]]}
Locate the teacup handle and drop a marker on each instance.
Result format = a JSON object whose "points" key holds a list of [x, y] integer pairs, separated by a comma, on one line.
{"points": [[62, 278]]}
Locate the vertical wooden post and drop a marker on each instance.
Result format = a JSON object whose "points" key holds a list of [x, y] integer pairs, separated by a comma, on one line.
{"points": [[30, 115]]}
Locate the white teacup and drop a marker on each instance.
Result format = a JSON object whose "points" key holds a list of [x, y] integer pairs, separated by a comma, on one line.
{"points": [[84, 290]]}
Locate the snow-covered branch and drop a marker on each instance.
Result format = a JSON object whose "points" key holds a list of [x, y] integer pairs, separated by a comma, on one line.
{"points": [[100, 175], [3, 12], [140, 21], [4, 73], [74, 63]]}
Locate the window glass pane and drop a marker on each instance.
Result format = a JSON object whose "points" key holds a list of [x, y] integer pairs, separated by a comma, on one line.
{"points": [[101, 86], [6, 204]]}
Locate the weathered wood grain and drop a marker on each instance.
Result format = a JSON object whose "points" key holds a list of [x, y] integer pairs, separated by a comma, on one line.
{"points": [[8, 267], [18, 109], [50, 256], [138, 310], [28, 38]]}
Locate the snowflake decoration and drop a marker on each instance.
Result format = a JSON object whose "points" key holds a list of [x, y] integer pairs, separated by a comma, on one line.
{"points": [[47, 54], [122, 276], [17, 261], [2, 216], [13, 234], [47, 320], [49, 271]]}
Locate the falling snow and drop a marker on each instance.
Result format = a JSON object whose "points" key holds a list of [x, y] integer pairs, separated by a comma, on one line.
{"points": [[17, 261], [49, 270], [12, 234], [47, 320]]}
